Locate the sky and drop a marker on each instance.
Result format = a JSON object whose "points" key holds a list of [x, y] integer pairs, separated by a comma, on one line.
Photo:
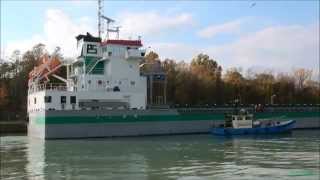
{"points": [[258, 35]]}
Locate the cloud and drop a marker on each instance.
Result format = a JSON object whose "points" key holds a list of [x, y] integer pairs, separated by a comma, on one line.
{"points": [[225, 28], [177, 51], [59, 30], [22, 45], [152, 22], [280, 48]]}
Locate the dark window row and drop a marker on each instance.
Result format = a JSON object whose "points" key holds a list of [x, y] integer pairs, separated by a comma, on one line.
{"points": [[63, 99]]}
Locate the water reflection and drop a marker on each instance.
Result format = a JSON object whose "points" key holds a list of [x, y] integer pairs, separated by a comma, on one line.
{"points": [[164, 157], [36, 158], [13, 158]]}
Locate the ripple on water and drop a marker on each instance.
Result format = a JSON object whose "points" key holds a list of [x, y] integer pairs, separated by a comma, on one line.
{"points": [[292, 156]]}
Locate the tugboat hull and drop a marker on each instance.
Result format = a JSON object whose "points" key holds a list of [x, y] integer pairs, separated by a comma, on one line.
{"points": [[280, 128]]}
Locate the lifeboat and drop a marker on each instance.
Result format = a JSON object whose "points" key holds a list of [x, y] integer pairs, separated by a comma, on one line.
{"points": [[47, 66]]}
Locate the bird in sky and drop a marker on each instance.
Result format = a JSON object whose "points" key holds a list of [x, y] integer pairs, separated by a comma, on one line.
{"points": [[252, 5]]}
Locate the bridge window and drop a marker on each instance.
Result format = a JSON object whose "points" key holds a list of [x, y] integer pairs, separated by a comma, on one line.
{"points": [[92, 49], [63, 99], [47, 99]]}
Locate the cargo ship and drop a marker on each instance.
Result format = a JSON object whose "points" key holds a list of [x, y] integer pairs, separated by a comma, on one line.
{"points": [[105, 94]]}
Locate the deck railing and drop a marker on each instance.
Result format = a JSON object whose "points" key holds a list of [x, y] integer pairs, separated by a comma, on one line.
{"points": [[47, 86]]}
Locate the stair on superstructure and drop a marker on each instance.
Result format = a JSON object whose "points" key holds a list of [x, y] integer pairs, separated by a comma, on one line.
{"points": [[91, 65]]}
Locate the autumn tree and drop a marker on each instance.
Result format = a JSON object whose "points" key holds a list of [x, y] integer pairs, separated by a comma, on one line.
{"points": [[208, 73], [234, 83], [14, 80], [302, 75], [151, 57]]}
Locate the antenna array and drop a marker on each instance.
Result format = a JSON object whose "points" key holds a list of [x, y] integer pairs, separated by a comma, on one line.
{"points": [[101, 17], [100, 9]]}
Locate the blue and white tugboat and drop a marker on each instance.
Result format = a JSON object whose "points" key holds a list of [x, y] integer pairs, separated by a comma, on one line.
{"points": [[242, 123]]}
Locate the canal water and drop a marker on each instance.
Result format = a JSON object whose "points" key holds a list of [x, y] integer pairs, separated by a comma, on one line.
{"points": [[288, 156]]}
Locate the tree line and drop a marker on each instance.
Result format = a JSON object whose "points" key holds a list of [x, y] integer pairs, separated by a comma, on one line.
{"points": [[202, 81]]}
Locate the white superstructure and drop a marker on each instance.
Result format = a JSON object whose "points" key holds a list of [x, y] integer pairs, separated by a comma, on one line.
{"points": [[104, 75]]}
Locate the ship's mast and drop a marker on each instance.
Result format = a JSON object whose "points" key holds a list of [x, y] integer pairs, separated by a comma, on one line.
{"points": [[100, 9], [101, 17]]}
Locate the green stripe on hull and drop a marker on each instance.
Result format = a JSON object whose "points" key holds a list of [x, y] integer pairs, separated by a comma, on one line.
{"points": [[159, 118], [124, 119]]}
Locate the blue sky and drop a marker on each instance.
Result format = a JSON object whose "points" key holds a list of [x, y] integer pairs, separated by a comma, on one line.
{"points": [[237, 33]]}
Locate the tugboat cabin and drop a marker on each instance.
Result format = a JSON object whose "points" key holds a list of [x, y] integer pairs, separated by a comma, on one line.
{"points": [[241, 120]]}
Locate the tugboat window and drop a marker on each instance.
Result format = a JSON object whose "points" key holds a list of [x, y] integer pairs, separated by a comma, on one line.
{"points": [[63, 99]]}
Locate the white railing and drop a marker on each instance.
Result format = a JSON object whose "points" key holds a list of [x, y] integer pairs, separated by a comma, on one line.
{"points": [[134, 53], [49, 86]]}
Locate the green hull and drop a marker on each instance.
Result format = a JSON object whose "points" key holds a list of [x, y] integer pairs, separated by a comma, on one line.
{"points": [[74, 119]]}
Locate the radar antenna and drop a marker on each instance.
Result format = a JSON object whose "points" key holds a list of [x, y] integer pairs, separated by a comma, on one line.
{"points": [[115, 30], [102, 17]]}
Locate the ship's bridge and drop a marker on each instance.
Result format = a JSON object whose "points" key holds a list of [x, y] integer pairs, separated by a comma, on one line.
{"points": [[128, 49], [104, 73]]}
